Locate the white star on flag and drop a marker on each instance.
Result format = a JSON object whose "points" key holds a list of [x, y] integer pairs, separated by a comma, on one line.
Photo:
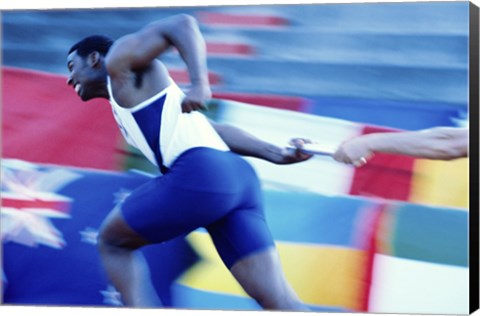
{"points": [[121, 195], [111, 296], [89, 235]]}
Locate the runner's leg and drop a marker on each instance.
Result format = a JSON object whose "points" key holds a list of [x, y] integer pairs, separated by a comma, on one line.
{"points": [[246, 246], [155, 212], [126, 267], [262, 277], [244, 243]]}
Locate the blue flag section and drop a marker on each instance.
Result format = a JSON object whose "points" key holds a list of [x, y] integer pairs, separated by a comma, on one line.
{"points": [[50, 221]]}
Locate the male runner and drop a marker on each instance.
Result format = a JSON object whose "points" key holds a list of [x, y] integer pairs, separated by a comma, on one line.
{"points": [[204, 184]]}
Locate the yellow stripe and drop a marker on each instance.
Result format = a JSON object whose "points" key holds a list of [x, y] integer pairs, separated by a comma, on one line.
{"points": [[442, 183], [320, 275], [210, 273], [325, 275]]}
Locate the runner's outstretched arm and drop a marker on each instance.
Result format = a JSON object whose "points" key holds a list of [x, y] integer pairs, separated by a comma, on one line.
{"points": [[440, 143], [246, 144]]}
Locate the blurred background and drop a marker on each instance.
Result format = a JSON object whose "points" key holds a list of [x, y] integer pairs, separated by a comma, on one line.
{"points": [[390, 237]]}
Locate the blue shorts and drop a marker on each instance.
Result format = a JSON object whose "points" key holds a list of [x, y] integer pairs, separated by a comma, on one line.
{"points": [[203, 188]]}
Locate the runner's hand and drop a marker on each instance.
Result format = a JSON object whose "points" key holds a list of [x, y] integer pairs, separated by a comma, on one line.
{"points": [[299, 142], [196, 98], [290, 155], [354, 152]]}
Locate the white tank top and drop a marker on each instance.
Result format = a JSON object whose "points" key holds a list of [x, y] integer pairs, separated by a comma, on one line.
{"points": [[158, 128]]}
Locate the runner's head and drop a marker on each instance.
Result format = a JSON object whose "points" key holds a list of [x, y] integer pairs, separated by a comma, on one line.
{"points": [[86, 65]]}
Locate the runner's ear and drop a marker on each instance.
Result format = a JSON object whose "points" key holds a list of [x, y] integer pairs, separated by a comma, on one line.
{"points": [[94, 59]]}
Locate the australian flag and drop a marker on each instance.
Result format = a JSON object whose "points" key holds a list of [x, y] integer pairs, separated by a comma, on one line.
{"points": [[50, 218]]}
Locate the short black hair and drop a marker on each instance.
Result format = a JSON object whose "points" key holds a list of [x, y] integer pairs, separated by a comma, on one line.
{"points": [[94, 43]]}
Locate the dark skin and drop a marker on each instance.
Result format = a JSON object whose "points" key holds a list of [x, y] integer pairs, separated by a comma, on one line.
{"points": [[123, 65], [136, 75]]}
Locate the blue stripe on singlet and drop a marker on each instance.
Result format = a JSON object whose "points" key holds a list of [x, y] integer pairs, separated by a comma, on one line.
{"points": [[149, 119]]}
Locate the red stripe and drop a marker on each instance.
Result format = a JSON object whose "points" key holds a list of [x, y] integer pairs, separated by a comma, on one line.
{"points": [[372, 249], [229, 49], [274, 101], [181, 77], [213, 18], [387, 176], [21, 204], [44, 121]]}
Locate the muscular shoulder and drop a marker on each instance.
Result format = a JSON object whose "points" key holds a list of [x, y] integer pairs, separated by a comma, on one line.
{"points": [[119, 60], [132, 86], [136, 51]]}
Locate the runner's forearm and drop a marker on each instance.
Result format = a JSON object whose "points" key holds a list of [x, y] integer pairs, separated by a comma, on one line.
{"points": [[436, 143], [246, 144]]}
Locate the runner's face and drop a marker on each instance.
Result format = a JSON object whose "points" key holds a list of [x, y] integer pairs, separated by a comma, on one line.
{"points": [[82, 76]]}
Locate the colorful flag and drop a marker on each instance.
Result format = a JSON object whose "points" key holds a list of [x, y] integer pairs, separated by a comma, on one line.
{"points": [[50, 219]]}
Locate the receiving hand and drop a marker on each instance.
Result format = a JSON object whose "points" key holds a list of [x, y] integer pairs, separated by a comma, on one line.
{"points": [[354, 151]]}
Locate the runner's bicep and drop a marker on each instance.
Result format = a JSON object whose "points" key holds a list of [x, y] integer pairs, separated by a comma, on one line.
{"points": [[137, 50]]}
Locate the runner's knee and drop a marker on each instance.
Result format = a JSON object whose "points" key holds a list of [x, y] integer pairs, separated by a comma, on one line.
{"points": [[116, 234]]}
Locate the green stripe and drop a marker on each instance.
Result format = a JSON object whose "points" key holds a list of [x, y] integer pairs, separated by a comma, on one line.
{"points": [[430, 234]]}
